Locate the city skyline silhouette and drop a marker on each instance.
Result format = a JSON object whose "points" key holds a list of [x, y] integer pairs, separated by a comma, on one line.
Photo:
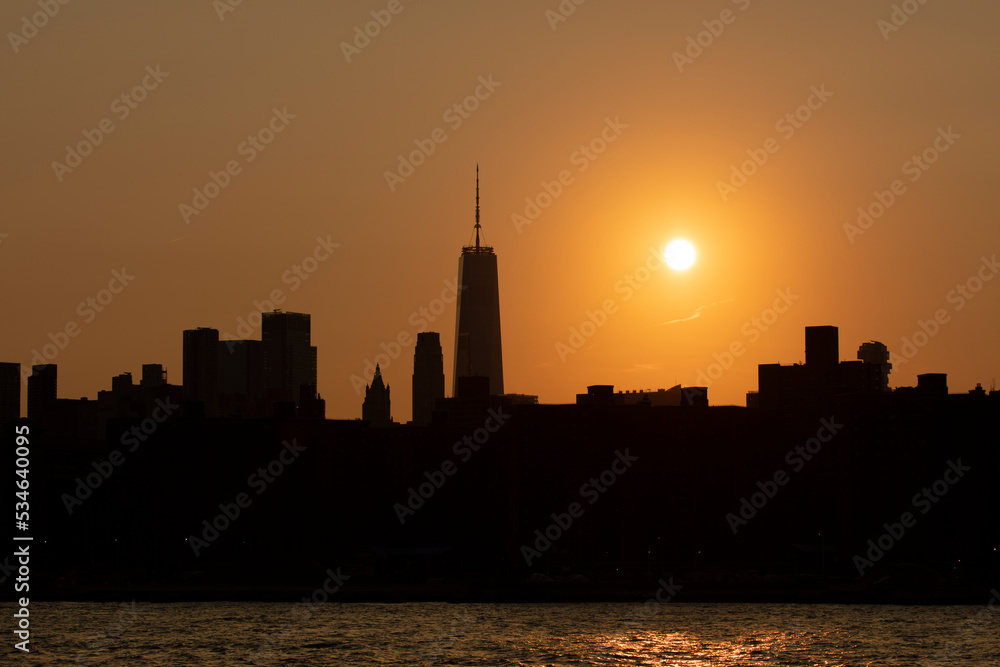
{"points": [[268, 373], [281, 376], [643, 162], [451, 332]]}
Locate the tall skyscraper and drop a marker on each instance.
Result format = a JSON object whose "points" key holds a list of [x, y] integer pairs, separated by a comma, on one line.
{"points": [[201, 368], [10, 392], [377, 409], [42, 390], [289, 358], [477, 323], [428, 376]]}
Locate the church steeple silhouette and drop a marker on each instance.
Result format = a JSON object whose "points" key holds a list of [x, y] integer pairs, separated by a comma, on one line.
{"points": [[377, 407]]}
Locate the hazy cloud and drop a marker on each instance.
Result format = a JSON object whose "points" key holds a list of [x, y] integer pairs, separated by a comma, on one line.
{"points": [[697, 312]]}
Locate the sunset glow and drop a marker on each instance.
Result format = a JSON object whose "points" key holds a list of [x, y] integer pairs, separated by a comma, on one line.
{"points": [[217, 185], [680, 255]]}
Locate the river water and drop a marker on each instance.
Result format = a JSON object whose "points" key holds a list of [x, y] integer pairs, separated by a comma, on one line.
{"points": [[672, 634]]}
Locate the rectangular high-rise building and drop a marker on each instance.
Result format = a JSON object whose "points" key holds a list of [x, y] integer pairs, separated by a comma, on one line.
{"points": [[289, 358], [201, 368], [10, 392], [241, 377], [478, 350], [875, 356], [428, 376], [153, 375], [42, 391], [822, 346]]}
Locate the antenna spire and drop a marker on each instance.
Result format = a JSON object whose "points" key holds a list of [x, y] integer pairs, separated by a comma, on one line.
{"points": [[477, 207]]}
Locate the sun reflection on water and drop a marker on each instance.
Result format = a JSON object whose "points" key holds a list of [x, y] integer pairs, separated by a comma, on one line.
{"points": [[684, 649]]}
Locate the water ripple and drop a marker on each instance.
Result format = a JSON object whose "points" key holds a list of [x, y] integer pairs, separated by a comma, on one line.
{"points": [[521, 635]]}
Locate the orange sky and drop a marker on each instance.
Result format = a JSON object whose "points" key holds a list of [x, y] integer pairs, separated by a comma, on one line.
{"points": [[680, 126]]}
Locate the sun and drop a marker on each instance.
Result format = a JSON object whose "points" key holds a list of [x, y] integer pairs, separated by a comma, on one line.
{"points": [[679, 255]]}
